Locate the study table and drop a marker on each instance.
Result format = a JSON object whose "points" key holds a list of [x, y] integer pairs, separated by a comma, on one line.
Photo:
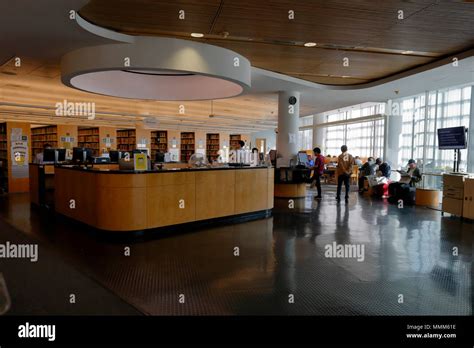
{"points": [[120, 200]]}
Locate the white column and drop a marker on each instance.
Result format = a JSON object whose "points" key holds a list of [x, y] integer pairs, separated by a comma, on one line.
{"points": [[288, 119], [393, 131], [319, 133]]}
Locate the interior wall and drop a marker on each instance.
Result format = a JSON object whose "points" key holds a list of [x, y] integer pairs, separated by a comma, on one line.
{"points": [[269, 135]]}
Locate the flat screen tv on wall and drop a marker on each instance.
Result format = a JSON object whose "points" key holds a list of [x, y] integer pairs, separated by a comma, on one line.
{"points": [[452, 138]]}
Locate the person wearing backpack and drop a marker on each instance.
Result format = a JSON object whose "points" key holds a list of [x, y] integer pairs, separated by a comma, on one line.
{"points": [[318, 170]]}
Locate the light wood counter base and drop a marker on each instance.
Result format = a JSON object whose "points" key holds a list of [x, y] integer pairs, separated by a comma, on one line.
{"points": [[290, 190], [139, 201]]}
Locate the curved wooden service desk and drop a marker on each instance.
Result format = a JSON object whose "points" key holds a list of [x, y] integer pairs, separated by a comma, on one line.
{"points": [[134, 201]]}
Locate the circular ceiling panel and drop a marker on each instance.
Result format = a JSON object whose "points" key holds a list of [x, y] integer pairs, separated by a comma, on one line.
{"points": [[158, 69]]}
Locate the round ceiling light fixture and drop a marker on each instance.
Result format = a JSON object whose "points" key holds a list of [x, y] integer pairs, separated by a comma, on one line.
{"points": [[310, 44], [157, 68]]}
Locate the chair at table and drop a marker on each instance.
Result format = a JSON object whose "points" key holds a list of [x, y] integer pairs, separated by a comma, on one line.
{"points": [[355, 174]]}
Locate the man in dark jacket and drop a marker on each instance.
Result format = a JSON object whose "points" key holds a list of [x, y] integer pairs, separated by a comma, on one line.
{"points": [[384, 168], [405, 191]]}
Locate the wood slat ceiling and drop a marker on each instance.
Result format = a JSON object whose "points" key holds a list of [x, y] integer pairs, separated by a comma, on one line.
{"points": [[368, 32], [31, 91]]}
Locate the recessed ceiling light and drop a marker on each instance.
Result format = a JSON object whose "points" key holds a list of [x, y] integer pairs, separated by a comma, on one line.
{"points": [[407, 52], [310, 44], [197, 34]]}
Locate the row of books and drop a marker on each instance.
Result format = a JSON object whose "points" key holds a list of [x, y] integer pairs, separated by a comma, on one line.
{"points": [[44, 137], [125, 140], [88, 139], [44, 130], [88, 131]]}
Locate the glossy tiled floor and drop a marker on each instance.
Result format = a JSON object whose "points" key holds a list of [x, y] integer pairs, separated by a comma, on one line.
{"points": [[408, 252]]}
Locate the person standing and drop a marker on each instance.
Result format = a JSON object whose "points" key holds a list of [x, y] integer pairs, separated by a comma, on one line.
{"points": [[345, 161], [318, 170]]}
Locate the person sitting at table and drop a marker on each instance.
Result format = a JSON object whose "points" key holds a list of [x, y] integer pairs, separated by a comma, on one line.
{"points": [[367, 169], [383, 167], [383, 172], [358, 161], [405, 189]]}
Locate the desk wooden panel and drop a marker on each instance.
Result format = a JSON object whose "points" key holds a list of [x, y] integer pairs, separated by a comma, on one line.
{"points": [[121, 209], [251, 191], [213, 192], [34, 183], [130, 202], [163, 205], [468, 205], [80, 187], [271, 188], [173, 178]]}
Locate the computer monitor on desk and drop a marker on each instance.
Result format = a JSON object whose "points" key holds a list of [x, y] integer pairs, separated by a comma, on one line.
{"points": [[82, 155], [303, 158], [115, 156], [160, 157], [61, 155], [49, 156]]}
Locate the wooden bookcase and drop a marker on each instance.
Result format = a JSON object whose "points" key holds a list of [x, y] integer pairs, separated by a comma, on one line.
{"points": [[187, 145], [159, 141], [89, 138], [234, 140], [3, 157], [212, 146], [126, 140], [41, 136]]}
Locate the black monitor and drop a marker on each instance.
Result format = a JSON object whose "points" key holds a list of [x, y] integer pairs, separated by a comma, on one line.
{"points": [[160, 157], [81, 155], [115, 156], [61, 155], [452, 138], [49, 155]]}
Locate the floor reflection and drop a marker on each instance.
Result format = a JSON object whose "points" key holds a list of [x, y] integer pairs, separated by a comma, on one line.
{"points": [[407, 251]]}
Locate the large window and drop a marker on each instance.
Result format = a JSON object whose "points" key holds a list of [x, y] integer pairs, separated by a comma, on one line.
{"points": [[305, 134], [422, 118], [305, 139], [364, 138]]}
